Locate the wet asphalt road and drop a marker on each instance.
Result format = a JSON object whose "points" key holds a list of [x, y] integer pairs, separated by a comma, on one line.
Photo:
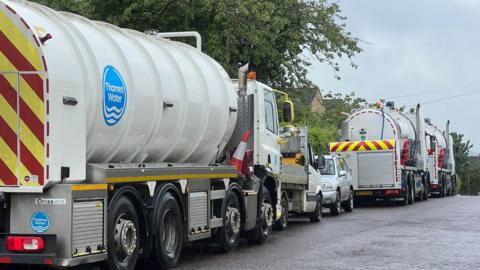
{"points": [[441, 233]]}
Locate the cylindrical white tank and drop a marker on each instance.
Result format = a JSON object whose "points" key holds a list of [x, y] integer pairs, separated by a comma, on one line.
{"points": [[138, 98], [378, 124]]}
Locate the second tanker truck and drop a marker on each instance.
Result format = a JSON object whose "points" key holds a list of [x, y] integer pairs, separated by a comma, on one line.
{"points": [[386, 151], [121, 147]]}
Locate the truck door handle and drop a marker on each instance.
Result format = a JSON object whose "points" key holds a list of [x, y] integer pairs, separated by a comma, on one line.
{"points": [[71, 101]]}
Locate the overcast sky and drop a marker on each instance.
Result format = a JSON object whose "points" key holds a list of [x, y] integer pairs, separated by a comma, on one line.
{"points": [[412, 47]]}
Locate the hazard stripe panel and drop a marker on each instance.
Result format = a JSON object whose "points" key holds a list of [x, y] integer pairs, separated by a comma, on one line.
{"points": [[22, 104], [373, 145]]}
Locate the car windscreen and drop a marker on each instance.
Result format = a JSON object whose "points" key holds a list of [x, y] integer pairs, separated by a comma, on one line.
{"points": [[329, 168]]}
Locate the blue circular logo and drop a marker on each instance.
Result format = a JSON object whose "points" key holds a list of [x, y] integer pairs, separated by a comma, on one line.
{"points": [[114, 95], [40, 222]]}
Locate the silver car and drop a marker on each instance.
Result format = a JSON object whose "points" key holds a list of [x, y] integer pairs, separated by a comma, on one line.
{"points": [[336, 183]]}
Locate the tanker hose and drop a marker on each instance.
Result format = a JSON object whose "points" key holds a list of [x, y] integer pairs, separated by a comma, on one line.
{"points": [[383, 124]]}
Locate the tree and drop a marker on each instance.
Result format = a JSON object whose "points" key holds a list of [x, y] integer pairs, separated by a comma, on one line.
{"points": [[276, 35], [323, 127], [461, 150]]}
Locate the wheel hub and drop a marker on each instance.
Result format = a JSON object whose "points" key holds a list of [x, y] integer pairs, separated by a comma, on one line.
{"points": [[125, 237], [233, 219], [267, 214]]}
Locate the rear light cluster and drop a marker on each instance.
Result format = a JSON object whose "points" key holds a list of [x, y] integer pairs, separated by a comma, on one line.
{"points": [[25, 244], [392, 192]]}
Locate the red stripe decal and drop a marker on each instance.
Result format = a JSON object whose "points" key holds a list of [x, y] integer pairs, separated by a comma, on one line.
{"points": [[8, 92], [335, 147], [36, 40], [388, 144], [31, 120], [377, 145], [8, 135], [7, 177], [21, 63], [10, 139], [27, 115], [31, 163], [24, 23], [345, 147], [357, 146], [11, 9]]}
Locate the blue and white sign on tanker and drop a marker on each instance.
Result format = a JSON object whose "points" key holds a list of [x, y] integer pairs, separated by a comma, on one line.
{"points": [[40, 222], [114, 95]]}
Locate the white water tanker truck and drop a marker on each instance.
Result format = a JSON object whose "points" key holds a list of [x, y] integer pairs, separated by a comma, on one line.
{"points": [[122, 147], [385, 149], [441, 161]]}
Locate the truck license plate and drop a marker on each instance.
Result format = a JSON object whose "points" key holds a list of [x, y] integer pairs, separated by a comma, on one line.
{"points": [[363, 193]]}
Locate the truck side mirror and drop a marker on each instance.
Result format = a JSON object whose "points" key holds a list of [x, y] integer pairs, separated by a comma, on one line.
{"points": [[288, 111], [321, 162]]}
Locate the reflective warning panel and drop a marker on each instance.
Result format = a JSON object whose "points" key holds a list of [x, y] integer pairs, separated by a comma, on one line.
{"points": [[373, 145], [22, 103]]}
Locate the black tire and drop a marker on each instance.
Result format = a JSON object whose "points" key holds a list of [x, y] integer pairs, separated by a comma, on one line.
{"points": [[411, 193], [316, 216], [123, 221], [264, 227], [282, 222], [229, 233], [425, 189], [167, 236], [348, 205], [336, 207], [405, 196], [443, 192]]}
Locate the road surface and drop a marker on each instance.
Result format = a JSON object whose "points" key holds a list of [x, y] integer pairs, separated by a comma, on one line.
{"points": [[441, 233]]}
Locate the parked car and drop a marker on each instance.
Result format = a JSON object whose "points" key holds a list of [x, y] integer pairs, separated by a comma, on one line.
{"points": [[336, 184]]}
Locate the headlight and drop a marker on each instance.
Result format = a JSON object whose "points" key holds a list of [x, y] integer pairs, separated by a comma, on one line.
{"points": [[327, 186]]}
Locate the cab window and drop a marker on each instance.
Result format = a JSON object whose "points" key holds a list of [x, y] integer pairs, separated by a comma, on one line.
{"points": [[270, 112], [329, 168]]}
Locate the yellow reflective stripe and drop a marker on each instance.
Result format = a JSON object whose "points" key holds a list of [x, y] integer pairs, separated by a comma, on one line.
{"points": [[83, 187], [8, 157], [350, 148], [26, 136], [383, 145], [31, 142], [8, 114], [22, 43], [167, 177], [26, 92], [371, 145]]}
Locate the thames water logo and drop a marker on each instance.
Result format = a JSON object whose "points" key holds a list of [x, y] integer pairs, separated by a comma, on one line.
{"points": [[40, 222], [114, 95]]}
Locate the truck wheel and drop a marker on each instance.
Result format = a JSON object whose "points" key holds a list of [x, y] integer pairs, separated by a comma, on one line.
{"points": [[282, 222], [411, 194], [123, 235], [261, 232], [404, 202], [167, 236], [230, 231], [316, 216], [348, 206], [336, 207]]}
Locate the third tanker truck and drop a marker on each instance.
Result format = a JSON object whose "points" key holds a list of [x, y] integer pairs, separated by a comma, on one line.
{"points": [[386, 151], [441, 161], [119, 146]]}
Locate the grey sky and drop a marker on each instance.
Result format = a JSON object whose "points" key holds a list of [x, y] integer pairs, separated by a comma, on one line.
{"points": [[415, 46]]}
